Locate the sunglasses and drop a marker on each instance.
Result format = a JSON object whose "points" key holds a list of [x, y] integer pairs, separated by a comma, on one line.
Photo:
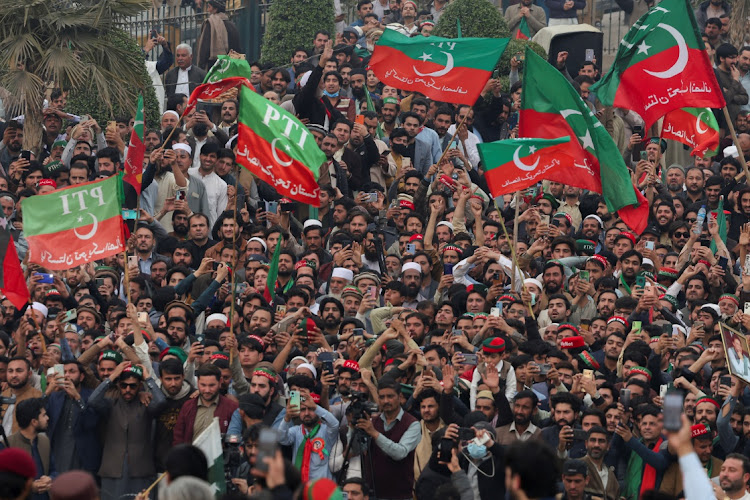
{"points": [[682, 235], [125, 385]]}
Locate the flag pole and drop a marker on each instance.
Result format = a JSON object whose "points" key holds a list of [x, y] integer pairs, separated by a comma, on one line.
{"points": [[144, 493], [517, 199], [455, 133], [512, 254], [127, 275], [233, 291], [736, 143]]}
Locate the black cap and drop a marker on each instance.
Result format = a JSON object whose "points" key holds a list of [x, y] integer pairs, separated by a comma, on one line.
{"points": [[575, 466], [653, 230]]}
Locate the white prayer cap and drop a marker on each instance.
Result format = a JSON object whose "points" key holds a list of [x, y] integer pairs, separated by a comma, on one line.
{"points": [[259, 240], [342, 272], [168, 112], [411, 265], [38, 306], [731, 151], [182, 146], [312, 222], [533, 281], [222, 317], [310, 367], [596, 218]]}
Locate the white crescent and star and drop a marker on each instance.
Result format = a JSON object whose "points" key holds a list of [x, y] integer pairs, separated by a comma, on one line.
{"points": [[518, 163], [276, 156], [698, 124], [91, 233], [682, 57], [441, 72], [585, 140]]}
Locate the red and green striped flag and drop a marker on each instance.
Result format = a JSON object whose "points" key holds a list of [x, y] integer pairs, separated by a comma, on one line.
{"points": [[552, 108], [208, 91], [451, 70], [515, 164], [661, 66], [523, 33], [695, 127], [276, 147], [75, 225], [136, 150], [226, 67]]}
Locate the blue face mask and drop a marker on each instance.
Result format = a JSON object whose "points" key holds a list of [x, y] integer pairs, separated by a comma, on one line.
{"points": [[476, 450], [328, 94]]}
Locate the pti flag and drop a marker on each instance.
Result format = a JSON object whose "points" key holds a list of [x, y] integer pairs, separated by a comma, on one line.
{"points": [[515, 164], [275, 146], [75, 225], [136, 151], [226, 67], [208, 91], [523, 33], [552, 108], [661, 66], [12, 282], [209, 442], [695, 127], [451, 70]]}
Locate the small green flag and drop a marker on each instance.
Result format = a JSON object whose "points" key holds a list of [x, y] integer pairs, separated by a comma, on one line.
{"points": [[226, 67], [273, 273], [721, 220], [523, 33]]}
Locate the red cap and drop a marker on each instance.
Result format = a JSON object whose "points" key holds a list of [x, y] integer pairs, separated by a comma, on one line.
{"points": [[47, 182], [416, 237], [351, 365], [18, 462], [698, 430], [571, 342], [406, 204]]}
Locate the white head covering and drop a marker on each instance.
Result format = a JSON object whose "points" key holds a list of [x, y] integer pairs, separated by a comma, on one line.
{"points": [[259, 240], [312, 222], [731, 151], [596, 218], [342, 272], [446, 223], [647, 262], [411, 265], [38, 306], [218, 316], [309, 367], [533, 281], [169, 111], [182, 146]]}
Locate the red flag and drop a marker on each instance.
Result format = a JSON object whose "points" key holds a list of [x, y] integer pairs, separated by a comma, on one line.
{"points": [[136, 151], [12, 283], [213, 90]]}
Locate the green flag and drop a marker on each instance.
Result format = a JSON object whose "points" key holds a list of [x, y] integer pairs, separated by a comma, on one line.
{"points": [[721, 220], [75, 225], [209, 442], [273, 273], [226, 67]]}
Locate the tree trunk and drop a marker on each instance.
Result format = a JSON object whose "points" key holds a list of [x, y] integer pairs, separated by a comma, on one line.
{"points": [[32, 130]]}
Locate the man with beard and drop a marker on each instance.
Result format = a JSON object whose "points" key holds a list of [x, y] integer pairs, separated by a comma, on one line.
{"points": [[228, 115], [553, 278], [287, 260], [370, 259], [128, 466], [263, 383], [701, 439], [665, 216], [331, 312], [216, 189], [694, 183], [357, 79], [18, 377], [331, 172], [592, 230], [12, 144], [411, 276], [602, 480], [389, 116], [196, 414], [571, 205], [180, 227], [312, 440], [363, 145], [605, 304], [33, 422], [638, 477], [340, 278], [565, 410], [341, 397], [176, 391], [225, 167], [675, 180], [74, 448], [428, 401], [349, 161], [522, 428], [734, 475], [416, 149], [228, 228]]}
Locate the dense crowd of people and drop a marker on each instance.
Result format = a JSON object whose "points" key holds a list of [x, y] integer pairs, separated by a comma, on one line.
{"points": [[417, 338]]}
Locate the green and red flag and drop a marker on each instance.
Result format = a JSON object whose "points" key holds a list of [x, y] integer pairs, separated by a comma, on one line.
{"points": [[661, 66], [523, 33], [451, 70], [276, 147], [227, 67], [273, 274], [695, 127], [515, 164], [136, 151], [208, 91], [552, 108], [210, 443], [75, 225], [12, 282], [721, 221]]}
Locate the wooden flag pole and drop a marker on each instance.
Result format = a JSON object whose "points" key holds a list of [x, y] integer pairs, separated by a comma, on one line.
{"points": [[513, 255], [144, 494], [517, 199], [127, 274], [736, 143], [455, 133], [233, 291]]}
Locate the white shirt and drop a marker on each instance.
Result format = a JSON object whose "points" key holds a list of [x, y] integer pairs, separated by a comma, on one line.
{"points": [[183, 82], [471, 152], [216, 190]]}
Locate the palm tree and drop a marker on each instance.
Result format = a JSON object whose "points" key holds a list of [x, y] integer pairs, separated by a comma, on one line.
{"points": [[66, 44]]}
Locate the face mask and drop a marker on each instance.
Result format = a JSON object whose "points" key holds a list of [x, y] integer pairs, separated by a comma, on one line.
{"points": [[399, 149], [476, 450], [329, 94]]}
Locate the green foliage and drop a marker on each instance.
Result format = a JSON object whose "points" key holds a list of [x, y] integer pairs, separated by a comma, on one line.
{"points": [[85, 100], [513, 48], [479, 18], [292, 24]]}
